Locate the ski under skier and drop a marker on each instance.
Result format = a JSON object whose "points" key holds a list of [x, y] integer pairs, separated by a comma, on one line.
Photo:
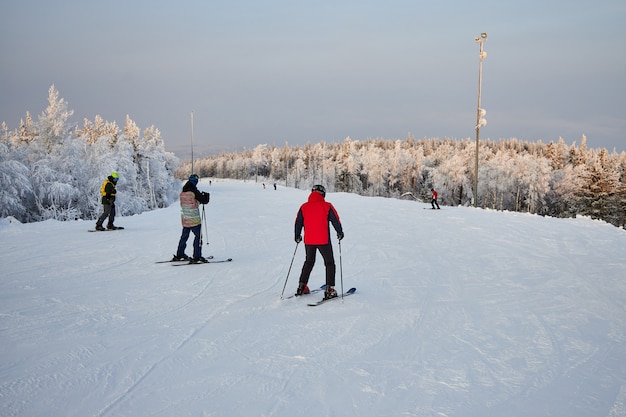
{"points": [[433, 201], [190, 199], [314, 216], [108, 192]]}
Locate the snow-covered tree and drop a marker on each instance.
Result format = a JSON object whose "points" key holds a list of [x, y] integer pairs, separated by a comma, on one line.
{"points": [[16, 193], [48, 171], [53, 128]]}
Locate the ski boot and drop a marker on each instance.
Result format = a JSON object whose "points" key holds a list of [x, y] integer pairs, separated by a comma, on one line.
{"points": [[199, 260], [302, 289], [330, 293]]}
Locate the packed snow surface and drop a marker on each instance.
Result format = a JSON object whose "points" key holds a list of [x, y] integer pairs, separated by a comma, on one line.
{"points": [[459, 312]]}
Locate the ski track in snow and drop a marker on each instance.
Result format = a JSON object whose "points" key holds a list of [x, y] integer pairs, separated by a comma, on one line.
{"points": [[458, 313]]}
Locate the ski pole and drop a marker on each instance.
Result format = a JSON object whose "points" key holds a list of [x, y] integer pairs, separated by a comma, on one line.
{"points": [[202, 220], [205, 226], [292, 258], [341, 271]]}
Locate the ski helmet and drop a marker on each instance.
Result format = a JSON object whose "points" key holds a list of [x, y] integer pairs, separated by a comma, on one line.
{"points": [[193, 178], [115, 175], [320, 189]]}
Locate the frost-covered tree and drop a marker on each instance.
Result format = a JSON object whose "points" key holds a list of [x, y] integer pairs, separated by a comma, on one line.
{"points": [[375, 171], [155, 169], [452, 178], [536, 181], [349, 173], [4, 136], [16, 193], [53, 128], [259, 159], [51, 172]]}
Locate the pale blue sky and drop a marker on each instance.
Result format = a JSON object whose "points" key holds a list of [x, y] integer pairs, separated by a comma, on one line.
{"points": [[291, 71]]}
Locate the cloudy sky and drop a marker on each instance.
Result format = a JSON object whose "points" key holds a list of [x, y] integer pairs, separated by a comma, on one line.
{"points": [[290, 71]]}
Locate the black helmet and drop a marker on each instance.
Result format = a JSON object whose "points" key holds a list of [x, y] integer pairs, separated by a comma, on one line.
{"points": [[320, 189]]}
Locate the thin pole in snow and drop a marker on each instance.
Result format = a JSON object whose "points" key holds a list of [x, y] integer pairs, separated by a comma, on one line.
{"points": [[192, 171]]}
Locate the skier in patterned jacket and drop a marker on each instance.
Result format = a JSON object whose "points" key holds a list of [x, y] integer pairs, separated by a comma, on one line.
{"points": [[190, 199], [314, 216]]}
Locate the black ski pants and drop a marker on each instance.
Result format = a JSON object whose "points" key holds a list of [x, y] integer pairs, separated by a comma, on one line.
{"points": [[329, 263], [108, 211]]}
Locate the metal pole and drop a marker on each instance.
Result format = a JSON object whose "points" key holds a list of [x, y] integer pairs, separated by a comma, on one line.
{"points": [[289, 271], [482, 54], [192, 171], [206, 230], [341, 271]]}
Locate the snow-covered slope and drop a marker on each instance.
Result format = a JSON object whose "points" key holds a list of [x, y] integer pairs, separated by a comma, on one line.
{"points": [[459, 312]]}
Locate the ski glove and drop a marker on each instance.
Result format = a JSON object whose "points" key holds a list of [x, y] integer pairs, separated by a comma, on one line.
{"points": [[298, 239], [340, 235]]}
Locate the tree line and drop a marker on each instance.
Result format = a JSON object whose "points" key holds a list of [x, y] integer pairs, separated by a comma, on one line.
{"points": [[52, 170], [553, 179]]}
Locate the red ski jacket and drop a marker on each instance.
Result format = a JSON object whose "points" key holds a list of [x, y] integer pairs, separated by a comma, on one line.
{"points": [[315, 216]]}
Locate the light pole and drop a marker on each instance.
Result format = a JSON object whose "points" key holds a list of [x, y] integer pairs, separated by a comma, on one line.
{"points": [[480, 113], [192, 171]]}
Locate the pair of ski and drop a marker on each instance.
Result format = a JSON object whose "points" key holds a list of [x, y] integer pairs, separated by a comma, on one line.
{"points": [[187, 262], [322, 301]]}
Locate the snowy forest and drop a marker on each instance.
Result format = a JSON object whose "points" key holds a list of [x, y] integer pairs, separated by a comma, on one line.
{"points": [[551, 179], [50, 169]]}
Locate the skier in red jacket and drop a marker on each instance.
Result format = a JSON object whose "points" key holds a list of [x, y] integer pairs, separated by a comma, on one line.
{"points": [[433, 201], [314, 216]]}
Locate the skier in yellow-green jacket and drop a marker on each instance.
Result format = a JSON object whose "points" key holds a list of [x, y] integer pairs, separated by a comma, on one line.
{"points": [[108, 192]]}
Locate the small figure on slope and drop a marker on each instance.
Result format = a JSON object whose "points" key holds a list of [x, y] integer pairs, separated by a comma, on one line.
{"points": [[108, 192], [314, 216], [433, 202], [190, 199]]}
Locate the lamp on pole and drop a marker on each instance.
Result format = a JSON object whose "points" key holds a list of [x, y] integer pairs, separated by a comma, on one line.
{"points": [[480, 113]]}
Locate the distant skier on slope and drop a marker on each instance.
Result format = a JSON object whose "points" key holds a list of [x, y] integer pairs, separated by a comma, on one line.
{"points": [[108, 192], [433, 201], [190, 198], [314, 216]]}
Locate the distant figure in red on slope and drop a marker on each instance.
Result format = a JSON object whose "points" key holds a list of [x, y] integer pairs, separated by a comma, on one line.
{"points": [[433, 202]]}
